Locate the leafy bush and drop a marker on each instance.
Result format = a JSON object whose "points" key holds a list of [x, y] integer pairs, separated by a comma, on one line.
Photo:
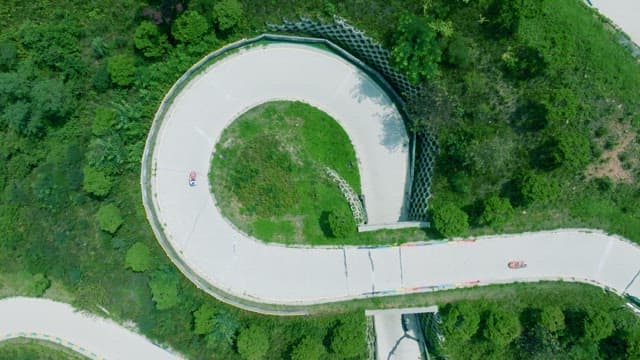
{"points": [[138, 257], [497, 211], [104, 121], [96, 182], [308, 349], [164, 289], [461, 321], [253, 342], [449, 220], [122, 69], [348, 338], [109, 218], [341, 223], [536, 187], [501, 327], [190, 27], [149, 40], [572, 150], [458, 52], [415, 50], [227, 14]]}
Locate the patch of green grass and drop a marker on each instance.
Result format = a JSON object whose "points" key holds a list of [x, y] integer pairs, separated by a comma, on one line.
{"points": [[268, 172], [29, 349]]}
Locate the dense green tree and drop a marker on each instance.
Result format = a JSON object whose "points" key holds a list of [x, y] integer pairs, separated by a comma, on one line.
{"points": [[164, 289], [13, 86], [150, 40], [458, 52], [96, 182], [571, 150], [415, 51], [122, 69], [501, 327], [190, 27], [341, 223], [461, 321], [496, 212], [138, 257], [597, 325], [449, 220], [109, 218], [104, 121], [108, 154], [8, 56], [348, 338], [253, 342], [552, 319], [227, 14], [16, 115], [203, 319], [536, 187], [219, 325], [308, 349], [504, 15], [49, 99]]}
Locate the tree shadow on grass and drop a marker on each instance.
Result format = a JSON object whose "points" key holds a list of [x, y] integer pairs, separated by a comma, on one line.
{"points": [[323, 221]]}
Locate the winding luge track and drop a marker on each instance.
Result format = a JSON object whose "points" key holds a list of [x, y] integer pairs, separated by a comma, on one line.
{"points": [[233, 266], [89, 335]]}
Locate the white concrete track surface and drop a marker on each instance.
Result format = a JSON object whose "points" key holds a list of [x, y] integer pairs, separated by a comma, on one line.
{"points": [[89, 335], [624, 13], [244, 267]]}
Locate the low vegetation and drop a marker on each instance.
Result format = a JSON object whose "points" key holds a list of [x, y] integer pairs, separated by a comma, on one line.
{"points": [[579, 322]]}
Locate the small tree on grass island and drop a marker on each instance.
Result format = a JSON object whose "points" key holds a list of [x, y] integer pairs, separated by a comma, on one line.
{"points": [[449, 220], [341, 223]]}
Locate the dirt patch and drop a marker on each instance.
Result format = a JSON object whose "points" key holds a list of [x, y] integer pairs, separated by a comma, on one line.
{"points": [[609, 164]]}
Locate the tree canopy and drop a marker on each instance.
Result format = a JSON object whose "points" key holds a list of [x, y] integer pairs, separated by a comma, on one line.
{"points": [[138, 257], [449, 220], [253, 342], [415, 51]]}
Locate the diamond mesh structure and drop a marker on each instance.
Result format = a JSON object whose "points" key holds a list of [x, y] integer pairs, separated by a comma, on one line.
{"points": [[357, 43], [424, 145]]}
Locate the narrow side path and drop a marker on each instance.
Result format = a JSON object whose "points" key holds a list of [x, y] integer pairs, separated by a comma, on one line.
{"points": [[87, 334]]}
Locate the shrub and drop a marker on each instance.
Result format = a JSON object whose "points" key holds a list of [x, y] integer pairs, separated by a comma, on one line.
{"points": [[502, 327], [164, 289], [415, 50], [449, 220], [458, 52], [149, 40], [96, 182], [253, 342], [109, 218], [138, 257], [348, 338], [538, 188], [496, 212], [571, 150], [308, 349], [227, 14], [190, 27], [341, 223], [103, 122], [461, 321], [122, 69]]}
